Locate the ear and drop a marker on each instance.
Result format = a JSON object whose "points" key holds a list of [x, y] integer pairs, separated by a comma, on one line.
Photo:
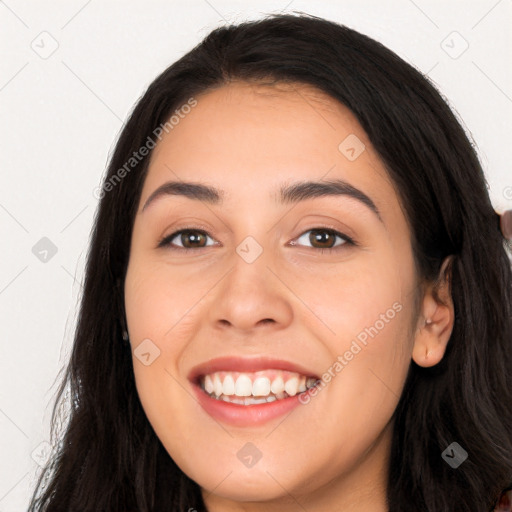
{"points": [[435, 322]]}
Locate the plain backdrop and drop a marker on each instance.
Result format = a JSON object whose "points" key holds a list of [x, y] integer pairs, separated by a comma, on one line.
{"points": [[71, 72]]}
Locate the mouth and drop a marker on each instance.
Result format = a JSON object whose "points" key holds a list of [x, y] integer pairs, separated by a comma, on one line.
{"points": [[246, 392], [253, 388]]}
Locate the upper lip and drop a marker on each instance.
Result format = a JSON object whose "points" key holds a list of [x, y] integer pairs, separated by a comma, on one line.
{"points": [[244, 364]]}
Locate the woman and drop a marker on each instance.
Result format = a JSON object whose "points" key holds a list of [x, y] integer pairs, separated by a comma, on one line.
{"points": [[297, 295]]}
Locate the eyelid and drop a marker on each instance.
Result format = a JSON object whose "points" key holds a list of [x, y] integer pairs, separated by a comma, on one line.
{"points": [[348, 240], [165, 240]]}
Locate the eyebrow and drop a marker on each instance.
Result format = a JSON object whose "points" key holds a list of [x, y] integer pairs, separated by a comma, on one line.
{"points": [[292, 193]]}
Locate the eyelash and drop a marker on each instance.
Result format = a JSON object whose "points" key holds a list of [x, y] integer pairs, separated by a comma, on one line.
{"points": [[166, 241]]}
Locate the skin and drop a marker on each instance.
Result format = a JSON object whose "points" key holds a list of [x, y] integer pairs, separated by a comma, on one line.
{"points": [[294, 302]]}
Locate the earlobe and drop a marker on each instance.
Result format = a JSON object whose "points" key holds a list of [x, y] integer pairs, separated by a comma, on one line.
{"points": [[436, 321], [429, 348]]}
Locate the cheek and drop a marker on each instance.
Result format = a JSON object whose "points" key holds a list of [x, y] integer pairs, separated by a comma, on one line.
{"points": [[162, 320], [159, 301], [371, 366], [354, 299], [368, 310]]}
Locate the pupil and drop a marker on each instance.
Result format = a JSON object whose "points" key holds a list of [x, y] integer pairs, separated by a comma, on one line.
{"points": [[321, 236], [194, 238]]}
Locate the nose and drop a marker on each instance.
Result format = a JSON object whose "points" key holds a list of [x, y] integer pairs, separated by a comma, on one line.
{"points": [[251, 296]]}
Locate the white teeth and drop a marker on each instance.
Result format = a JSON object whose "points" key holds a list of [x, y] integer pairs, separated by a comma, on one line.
{"points": [[277, 385], [208, 384], [217, 385], [229, 385], [249, 400], [254, 388], [243, 386], [292, 386], [261, 386]]}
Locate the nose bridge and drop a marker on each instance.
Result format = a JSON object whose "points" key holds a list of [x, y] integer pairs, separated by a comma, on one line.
{"points": [[249, 293], [250, 250], [249, 277]]}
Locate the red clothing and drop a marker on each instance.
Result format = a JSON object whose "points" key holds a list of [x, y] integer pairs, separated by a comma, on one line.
{"points": [[505, 503]]}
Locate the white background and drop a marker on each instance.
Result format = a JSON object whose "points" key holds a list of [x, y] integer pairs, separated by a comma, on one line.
{"points": [[61, 115]]}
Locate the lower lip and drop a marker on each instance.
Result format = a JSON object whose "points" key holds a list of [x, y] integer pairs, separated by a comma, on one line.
{"points": [[245, 415]]}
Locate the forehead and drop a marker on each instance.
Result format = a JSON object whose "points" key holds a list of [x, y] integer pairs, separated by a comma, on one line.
{"points": [[247, 139]]}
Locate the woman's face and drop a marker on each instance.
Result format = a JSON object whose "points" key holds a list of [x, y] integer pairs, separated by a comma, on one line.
{"points": [[271, 284]]}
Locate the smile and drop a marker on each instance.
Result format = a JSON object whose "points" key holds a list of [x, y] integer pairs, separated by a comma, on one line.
{"points": [[248, 392], [251, 388]]}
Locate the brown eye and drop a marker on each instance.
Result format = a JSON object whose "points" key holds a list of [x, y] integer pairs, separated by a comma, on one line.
{"points": [[186, 239], [323, 238], [191, 239]]}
